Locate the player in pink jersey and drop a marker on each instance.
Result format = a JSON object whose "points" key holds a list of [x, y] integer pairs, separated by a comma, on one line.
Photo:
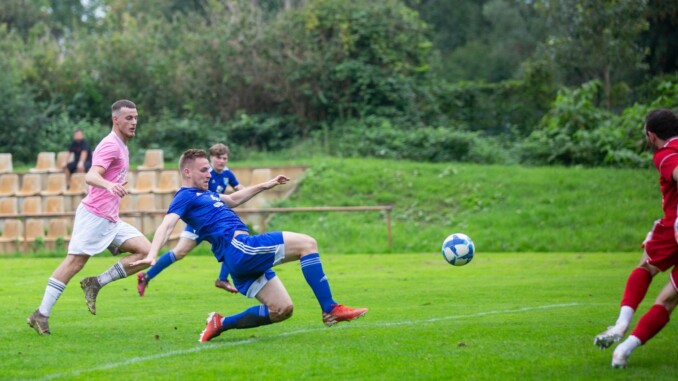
{"points": [[661, 249], [97, 224]]}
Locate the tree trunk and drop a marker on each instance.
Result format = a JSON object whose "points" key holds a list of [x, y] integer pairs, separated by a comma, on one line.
{"points": [[607, 87]]}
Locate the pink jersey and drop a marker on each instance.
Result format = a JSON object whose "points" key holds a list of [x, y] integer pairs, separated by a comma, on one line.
{"points": [[112, 155], [666, 160]]}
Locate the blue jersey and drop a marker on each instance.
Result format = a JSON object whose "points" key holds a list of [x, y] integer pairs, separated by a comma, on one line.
{"points": [[220, 181], [212, 220]]}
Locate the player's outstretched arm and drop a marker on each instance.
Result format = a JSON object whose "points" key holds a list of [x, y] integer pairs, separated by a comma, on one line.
{"points": [[240, 197], [161, 236]]}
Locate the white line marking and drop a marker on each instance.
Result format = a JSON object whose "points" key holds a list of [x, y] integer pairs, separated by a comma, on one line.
{"points": [[210, 346]]}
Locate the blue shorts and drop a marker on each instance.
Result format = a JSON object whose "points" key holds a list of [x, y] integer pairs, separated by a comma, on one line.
{"points": [[250, 258]]}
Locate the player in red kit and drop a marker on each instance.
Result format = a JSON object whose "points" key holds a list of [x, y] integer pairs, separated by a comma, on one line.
{"points": [[661, 249]]}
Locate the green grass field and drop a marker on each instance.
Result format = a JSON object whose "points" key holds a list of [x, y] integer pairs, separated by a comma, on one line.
{"points": [[503, 317]]}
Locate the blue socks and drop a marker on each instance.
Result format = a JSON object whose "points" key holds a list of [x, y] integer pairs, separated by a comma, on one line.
{"points": [[250, 318], [162, 263], [223, 275], [315, 277]]}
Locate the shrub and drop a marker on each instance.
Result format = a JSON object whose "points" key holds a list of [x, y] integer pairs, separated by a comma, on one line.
{"points": [[377, 137]]}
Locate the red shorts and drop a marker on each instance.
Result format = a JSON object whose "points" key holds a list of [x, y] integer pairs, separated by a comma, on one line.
{"points": [[661, 246]]}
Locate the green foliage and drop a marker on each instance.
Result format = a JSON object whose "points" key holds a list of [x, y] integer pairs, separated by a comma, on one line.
{"points": [[21, 116], [577, 131], [596, 40], [509, 108], [269, 75], [352, 59], [175, 135], [262, 132], [58, 132], [377, 137]]}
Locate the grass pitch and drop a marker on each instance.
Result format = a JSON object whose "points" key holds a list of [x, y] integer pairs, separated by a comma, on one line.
{"points": [[502, 317]]}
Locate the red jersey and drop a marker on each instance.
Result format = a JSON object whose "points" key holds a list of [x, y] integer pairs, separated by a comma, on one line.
{"points": [[666, 160]]}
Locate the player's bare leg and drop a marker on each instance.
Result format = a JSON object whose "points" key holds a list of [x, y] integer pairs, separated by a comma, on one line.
{"points": [[56, 284], [138, 247]]}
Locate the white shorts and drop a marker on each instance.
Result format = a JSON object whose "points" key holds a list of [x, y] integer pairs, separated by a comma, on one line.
{"points": [[93, 234]]}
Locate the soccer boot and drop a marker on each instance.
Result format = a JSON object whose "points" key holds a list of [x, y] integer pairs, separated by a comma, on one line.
{"points": [[610, 336], [620, 357], [621, 354], [226, 285], [213, 328], [90, 286], [342, 313], [39, 323], [142, 283]]}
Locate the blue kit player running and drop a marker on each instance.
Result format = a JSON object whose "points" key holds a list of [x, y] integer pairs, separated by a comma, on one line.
{"points": [[221, 179], [249, 258]]}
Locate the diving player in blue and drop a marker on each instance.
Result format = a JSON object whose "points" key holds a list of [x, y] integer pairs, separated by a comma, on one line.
{"points": [[221, 179], [249, 258]]}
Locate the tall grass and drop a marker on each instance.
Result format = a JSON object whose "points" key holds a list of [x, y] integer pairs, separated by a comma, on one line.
{"points": [[503, 208]]}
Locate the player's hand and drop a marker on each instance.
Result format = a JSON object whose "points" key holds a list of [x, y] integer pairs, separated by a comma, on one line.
{"points": [[118, 189], [150, 261], [278, 180]]}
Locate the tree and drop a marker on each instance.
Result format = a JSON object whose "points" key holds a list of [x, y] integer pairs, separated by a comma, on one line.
{"points": [[595, 39], [661, 38]]}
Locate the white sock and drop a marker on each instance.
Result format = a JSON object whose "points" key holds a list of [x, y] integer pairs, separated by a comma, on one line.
{"points": [[117, 271], [625, 316], [628, 345], [52, 293]]}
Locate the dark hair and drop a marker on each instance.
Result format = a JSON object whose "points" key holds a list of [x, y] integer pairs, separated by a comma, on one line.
{"points": [[662, 122], [189, 156], [123, 103]]}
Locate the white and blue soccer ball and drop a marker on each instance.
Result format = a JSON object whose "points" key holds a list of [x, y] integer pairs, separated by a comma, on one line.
{"points": [[458, 249]]}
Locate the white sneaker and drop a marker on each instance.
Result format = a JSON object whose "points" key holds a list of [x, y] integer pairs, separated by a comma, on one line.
{"points": [[609, 337], [619, 358], [621, 354]]}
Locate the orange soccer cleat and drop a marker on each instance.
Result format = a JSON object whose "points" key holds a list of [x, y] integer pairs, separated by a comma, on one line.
{"points": [[213, 328], [142, 283], [342, 313]]}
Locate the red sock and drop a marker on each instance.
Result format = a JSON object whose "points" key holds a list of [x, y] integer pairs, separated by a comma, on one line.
{"points": [[636, 287], [651, 323]]}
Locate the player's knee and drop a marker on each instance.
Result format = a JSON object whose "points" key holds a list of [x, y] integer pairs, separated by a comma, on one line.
{"points": [[76, 262], [179, 254], [309, 245], [651, 269], [280, 313]]}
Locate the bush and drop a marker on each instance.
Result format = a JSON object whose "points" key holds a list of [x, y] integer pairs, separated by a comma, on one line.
{"points": [[377, 137], [576, 131], [175, 135], [58, 132], [262, 132]]}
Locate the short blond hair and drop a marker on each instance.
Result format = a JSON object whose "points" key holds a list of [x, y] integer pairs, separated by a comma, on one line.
{"points": [[219, 149], [189, 156]]}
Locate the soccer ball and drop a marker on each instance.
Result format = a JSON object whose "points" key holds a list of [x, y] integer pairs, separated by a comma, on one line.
{"points": [[458, 249]]}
